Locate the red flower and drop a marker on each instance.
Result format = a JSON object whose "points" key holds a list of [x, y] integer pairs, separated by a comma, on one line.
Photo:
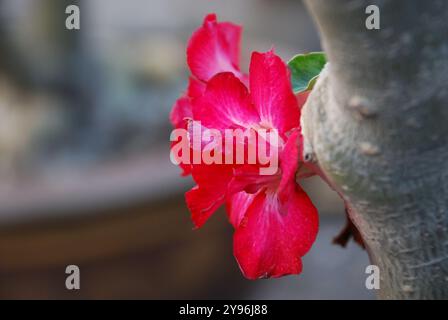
{"points": [[212, 49], [275, 222]]}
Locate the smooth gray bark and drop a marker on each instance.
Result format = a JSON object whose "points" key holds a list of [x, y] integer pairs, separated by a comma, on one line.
{"points": [[377, 125]]}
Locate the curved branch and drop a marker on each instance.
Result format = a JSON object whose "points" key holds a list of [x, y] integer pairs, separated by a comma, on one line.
{"points": [[376, 123]]}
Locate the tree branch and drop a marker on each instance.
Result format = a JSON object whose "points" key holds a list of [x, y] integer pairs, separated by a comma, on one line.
{"points": [[376, 123]]}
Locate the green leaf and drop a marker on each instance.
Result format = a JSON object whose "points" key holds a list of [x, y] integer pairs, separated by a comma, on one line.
{"points": [[305, 69]]}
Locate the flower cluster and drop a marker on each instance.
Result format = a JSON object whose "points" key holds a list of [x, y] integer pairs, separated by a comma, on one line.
{"points": [[275, 221]]}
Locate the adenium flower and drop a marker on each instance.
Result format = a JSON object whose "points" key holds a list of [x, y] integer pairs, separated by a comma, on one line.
{"points": [[213, 48], [275, 221]]}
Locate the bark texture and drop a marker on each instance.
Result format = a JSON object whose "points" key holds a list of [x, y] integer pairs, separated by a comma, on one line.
{"points": [[376, 123]]}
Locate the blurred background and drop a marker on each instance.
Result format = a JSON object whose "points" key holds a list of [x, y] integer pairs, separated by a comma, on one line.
{"points": [[85, 175]]}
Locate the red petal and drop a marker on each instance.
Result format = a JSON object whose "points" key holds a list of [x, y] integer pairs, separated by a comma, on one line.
{"points": [[210, 192], [248, 178], [225, 104], [289, 162], [186, 168], [237, 206], [301, 98], [214, 48], [180, 111], [271, 92], [272, 237], [195, 88]]}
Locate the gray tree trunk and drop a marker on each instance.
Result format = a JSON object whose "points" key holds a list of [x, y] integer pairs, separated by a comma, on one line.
{"points": [[377, 126]]}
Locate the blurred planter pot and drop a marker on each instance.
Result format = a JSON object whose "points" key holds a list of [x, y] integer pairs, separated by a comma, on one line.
{"points": [[125, 225]]}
